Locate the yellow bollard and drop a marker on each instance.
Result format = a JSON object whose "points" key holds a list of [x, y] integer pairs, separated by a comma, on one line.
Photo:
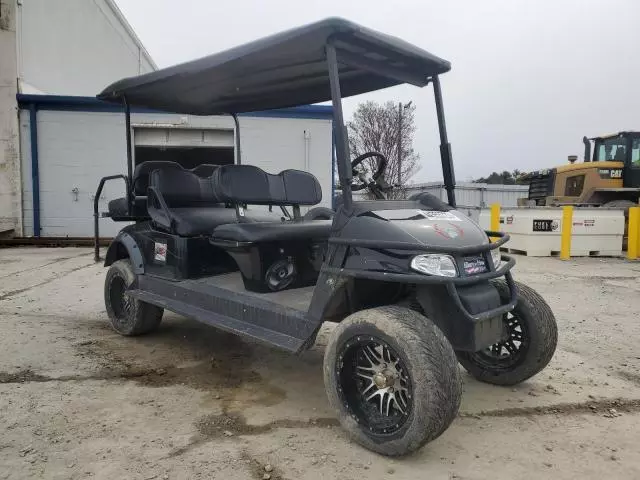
{"points": [[633, 233], [495, 217], [567, 227]]}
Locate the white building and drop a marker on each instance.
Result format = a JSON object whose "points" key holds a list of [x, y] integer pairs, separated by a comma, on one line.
{"points": [[57, 140]]}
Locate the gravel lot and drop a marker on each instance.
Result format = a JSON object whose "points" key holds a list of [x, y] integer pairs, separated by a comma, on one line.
{"points": [[77, 400]]}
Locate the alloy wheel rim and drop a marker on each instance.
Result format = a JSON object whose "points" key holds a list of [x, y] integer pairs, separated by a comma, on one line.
{"points": [[375, 385]]}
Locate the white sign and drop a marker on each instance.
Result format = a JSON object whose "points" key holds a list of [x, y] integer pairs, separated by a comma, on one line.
{"points": [[437, 215]]}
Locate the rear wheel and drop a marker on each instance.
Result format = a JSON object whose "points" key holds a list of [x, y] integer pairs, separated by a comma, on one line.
{"points": [[128, 315], [393, 379], [529, 340]]}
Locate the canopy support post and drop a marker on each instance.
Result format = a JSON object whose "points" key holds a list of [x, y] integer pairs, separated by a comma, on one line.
{"points": [[445, 147], [237, 135], [342, 141], [127, 121]]}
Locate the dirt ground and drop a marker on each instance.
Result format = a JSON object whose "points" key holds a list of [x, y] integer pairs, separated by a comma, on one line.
{"points": [[78, 401]]}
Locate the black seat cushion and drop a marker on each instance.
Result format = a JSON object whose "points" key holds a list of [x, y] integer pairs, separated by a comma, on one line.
{"points": [[182, 188], [204, 170], [273, 232], [251, 185], [301, 188], [118, 207], [194, 221], [193, 208], [142, 172]]}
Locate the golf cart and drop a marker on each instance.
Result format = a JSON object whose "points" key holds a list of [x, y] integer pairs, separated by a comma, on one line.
{"points": [[413, 285]]}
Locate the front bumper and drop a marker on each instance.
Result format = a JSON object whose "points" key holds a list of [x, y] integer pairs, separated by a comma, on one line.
{"points": [[467, 308]]}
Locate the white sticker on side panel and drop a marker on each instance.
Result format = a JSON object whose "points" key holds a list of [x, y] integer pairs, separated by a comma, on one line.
{"points": [[437, 215], [160, 250]]}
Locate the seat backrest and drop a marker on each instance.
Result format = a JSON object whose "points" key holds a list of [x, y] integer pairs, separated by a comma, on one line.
{"points": [[143, 170], [183, 188], [252, 185], [204, 170]]}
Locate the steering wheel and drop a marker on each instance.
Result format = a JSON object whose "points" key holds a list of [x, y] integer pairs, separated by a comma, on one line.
{"points": [[364, 181]]}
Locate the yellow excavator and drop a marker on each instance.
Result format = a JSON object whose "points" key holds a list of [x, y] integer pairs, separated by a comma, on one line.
{"points": [[609, 176]]}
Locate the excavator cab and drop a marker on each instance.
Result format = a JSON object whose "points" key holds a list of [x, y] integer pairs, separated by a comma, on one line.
{"points": [[621, 147]]}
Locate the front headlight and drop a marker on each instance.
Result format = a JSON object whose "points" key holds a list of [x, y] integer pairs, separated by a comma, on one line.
{"points": [[496, 257], [434, 264]]}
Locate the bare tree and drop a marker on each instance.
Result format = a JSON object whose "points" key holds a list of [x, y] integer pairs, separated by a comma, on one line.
{"points": [[387, 129]]}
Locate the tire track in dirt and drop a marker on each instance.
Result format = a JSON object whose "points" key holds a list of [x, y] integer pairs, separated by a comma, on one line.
{"points": [[37, 267], [13, 293], [594, 407]]}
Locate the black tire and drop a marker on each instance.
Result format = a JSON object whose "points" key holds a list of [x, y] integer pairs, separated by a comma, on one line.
{"points": [[319, 213], [128, 316], [538, 336], [431, 382]]}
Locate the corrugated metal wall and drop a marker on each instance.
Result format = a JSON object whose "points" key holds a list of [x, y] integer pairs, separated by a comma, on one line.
{"points": [[476, 194], [471, 197], [76, 149]]}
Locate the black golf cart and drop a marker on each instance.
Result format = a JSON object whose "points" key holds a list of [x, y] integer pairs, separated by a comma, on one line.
{"points": [[413, 285]]}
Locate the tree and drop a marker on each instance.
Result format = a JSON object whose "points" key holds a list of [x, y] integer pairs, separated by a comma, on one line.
{"points": [[504, 178], [377, 127]]}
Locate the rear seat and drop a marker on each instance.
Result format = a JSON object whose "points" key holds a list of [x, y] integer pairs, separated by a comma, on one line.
{"points": [[185, 204], [247, 184], [140, 182]]}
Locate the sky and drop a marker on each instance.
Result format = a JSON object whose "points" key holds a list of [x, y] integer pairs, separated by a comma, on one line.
{"points": [[529, 78]]}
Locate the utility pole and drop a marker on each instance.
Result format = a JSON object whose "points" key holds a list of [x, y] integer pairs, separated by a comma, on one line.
{"points": [[400, 108], [399, 144]]}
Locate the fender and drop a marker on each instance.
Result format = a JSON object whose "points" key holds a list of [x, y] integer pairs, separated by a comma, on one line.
{"points": [[125, 246], [463, 332]]}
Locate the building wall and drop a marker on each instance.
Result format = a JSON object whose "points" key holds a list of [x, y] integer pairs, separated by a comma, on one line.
{"points": [[9, 155], [77, 148], [75, 47]]}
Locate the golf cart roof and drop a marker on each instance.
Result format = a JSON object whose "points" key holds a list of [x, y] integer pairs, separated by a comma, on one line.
{"points": [[283, 70]]}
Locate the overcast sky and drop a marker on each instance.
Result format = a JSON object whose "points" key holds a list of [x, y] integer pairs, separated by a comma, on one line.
{"points": [[529, 78]]}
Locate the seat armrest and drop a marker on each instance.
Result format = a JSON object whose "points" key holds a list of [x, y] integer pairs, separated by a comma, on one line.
{"points": [[162, 215]]}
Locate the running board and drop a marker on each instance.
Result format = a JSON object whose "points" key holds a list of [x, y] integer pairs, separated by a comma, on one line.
{"points": [[261, 320]]}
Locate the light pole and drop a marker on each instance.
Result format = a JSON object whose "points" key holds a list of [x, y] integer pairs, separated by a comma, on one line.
{"points": [[400, 108]]}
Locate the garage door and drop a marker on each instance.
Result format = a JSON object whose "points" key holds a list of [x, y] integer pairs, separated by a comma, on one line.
{"points": [[181, 137]]}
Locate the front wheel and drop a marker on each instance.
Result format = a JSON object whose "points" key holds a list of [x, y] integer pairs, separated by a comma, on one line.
{"points": [[529, 340], [129, 316], [393, 379]]}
